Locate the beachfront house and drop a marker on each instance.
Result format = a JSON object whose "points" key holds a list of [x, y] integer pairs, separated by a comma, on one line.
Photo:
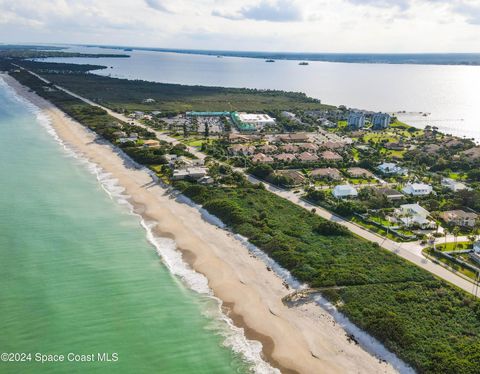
{"points": [[414, 215], [417, 189], [344, 191], [356, 121], [380, 121], [453, 185], [150, 143], [193, 173]]}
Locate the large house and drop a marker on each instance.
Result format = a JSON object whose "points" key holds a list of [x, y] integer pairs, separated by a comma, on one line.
{"points": [[261, 158], [194, 173], [453, 185], [389, 168], [268, 148], [294, 138], [327, 173], [237, 138], [289, 148], [356, 121], [150, 143], [344, 191], [380, 121], [475, 255], [296, 178], [459, 218], [417, 189], [414, 215], [331, 156], [307, 157], [356, 172], [285, 157], [334, 145], [390, 193], [240, 149], [310, 147]]}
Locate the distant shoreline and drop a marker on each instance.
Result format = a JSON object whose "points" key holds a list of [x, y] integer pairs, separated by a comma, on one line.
{"points": [[459, 59]]}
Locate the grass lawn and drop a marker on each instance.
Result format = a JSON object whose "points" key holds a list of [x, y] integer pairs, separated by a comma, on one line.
{"points": [[454, 266], [377, 230], [396, 154], [359, 181], [457, 176], [452, 246]]}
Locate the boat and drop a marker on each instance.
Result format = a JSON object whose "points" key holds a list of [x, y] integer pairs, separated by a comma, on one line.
{"points": [[303, 63], [269, 60]]}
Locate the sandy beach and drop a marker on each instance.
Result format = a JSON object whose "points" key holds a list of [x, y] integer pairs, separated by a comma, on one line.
{"points": [[302, 339]]}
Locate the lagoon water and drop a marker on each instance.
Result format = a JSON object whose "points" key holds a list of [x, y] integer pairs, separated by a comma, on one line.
{"points": [[77, 274], [448, 93]]}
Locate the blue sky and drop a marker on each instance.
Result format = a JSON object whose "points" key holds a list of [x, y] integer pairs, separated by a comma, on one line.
{"points": [[271, 25]]}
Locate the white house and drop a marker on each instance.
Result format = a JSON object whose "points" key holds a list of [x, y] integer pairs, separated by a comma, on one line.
{"points": [[194, 173], [476, 247], [475, 255], [391, 168], [414, 215], [417, 189], [343, 191], [453, 185]]}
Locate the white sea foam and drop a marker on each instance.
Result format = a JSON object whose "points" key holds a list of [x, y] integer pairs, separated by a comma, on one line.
{"points": [[234, 337]]}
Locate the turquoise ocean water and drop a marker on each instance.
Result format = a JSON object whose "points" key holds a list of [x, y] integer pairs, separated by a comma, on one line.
{"points": [[77, 274]]}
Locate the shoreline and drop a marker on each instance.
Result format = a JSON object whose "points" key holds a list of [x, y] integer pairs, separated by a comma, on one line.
{"points": [[296, 340], [302, 56]]}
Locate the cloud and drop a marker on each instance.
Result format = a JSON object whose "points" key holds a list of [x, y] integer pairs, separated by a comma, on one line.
{"points": [[314, 25], [158, 5], [471, 12], [265, 10], [401, 4]]}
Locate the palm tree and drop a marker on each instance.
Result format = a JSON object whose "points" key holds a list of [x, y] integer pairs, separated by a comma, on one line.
{"points": [[447, 231], [455, 231]]}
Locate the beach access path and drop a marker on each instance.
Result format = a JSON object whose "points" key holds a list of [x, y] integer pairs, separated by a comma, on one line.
{"points": [[410, 251]]}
